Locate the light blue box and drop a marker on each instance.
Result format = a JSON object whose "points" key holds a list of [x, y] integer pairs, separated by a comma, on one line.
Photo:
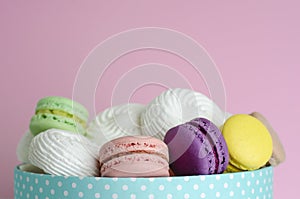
{"points": [[256, 184]]}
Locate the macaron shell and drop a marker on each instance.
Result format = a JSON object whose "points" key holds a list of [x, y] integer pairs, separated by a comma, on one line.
{"points": [[197, 147], [136, 165], [63, 104], [248, 140], [115, 122], [132, 144], [45, 121], [134, 156], [278, 154], [64, 153]]}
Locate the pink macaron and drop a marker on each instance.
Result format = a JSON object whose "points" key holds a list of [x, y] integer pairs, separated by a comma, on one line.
{"points": [[134, 156]]}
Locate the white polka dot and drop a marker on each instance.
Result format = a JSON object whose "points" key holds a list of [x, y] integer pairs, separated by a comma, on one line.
{"points": [[74, 185], [80, 194], [27, 195], [186, 196], [260, 189], [252, 191], [169, 196], [106, 187], [186, 178], [47, 182], [243, 192], [66, 177], [36, 181], [260, 173], [231, 193], [248, 183], [41, 190], [125, 187], [179, 187], [31, 188], [169, 179], [202, 178], [161, 187], [97, 195], [242, 175], [225, 185], [196, 186], [114, 196], [18, 184], [66, 193], [133, 179], [90, 186], [23, 186], [81, 177], [218, 177], [47, 198], [21, 193], [132, 196], [257, 197], [36, 197], [231, 176], [211, 186], [59, 184], [257, 182], [21, 177], [218, 194], [143, 187], [151, 196], [115, 179], [151, 179], [27, 179], [238, 184], [252, 175], [202, 195], [52, 191]]}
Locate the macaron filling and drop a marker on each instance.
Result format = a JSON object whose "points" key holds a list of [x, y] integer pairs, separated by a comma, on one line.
{"points": [[61, 113]]}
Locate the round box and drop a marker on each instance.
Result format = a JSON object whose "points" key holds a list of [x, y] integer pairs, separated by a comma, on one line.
{"points": [[256, 184]]}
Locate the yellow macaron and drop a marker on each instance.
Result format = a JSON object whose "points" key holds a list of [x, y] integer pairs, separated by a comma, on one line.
{"points": [[249, 142]]}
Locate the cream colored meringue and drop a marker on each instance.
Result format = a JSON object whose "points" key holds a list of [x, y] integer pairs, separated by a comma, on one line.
{"points": [[64, 153], [23, 146], [115, 122], [177, 106]]}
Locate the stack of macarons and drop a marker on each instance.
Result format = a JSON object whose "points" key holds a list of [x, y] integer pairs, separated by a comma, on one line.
{"points": [[180, 132]]}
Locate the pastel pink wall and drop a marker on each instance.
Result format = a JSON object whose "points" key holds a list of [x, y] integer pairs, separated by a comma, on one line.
{"points": [[254, 44]]}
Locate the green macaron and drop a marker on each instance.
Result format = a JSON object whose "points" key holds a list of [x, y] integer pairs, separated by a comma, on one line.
{"points": [[60, 113]]}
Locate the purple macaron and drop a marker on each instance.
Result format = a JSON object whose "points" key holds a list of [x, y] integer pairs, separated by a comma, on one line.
{"points": [[197, 147]]}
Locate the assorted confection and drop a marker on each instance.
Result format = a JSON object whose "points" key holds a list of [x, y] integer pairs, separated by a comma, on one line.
{"points": [[179, 133]]}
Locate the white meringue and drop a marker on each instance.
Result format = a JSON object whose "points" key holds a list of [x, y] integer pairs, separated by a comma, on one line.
{"points": [[115, 122], [23, 146], [64, 153], [177, 106]]}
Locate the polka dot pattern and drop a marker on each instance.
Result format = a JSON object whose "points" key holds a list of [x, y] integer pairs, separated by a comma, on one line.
{"points": [[253, 185]]}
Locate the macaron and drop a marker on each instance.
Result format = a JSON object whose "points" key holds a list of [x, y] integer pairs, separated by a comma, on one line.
{"points": [[278, 154], [177, 106], [134, 156], [197, 147], [60, 113], [115, 122], [249, 143], [64, 153]]}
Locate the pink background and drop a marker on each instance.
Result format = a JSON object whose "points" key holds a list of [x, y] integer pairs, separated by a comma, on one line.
{"points": [[254, 44]]}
